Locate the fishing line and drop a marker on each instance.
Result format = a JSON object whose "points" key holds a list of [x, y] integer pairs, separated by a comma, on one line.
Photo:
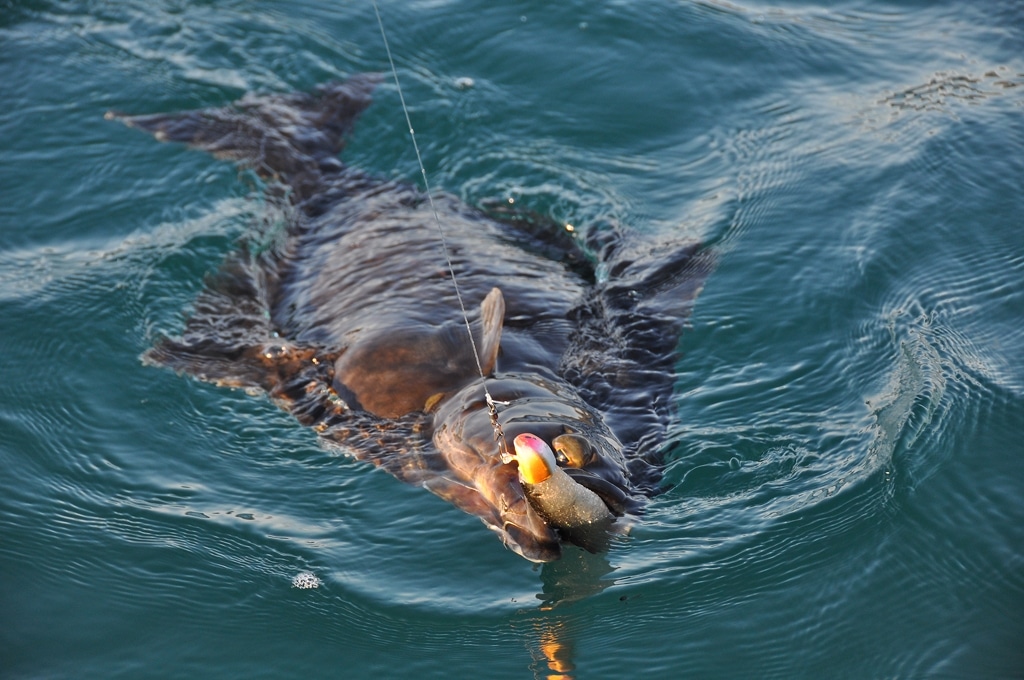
{"points": [[499, 435]]}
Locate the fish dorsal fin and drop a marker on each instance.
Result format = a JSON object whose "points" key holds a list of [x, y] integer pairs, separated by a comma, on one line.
{"points": [[492, 318]]}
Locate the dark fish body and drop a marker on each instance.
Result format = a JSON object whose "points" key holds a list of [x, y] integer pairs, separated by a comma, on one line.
{"points": [[350, 321]]}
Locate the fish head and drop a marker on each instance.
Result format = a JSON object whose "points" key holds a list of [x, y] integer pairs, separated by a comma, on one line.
{"points": [[478, 470]]}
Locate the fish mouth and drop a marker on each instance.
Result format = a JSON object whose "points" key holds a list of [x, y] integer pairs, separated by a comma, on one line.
{"points": [[473, 474], [476, 480]]}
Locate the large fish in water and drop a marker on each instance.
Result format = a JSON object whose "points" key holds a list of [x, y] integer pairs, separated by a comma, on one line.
{"points": [[349, 320]]}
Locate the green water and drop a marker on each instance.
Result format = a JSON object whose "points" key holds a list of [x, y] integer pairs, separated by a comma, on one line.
{"points": [[844, 492]]}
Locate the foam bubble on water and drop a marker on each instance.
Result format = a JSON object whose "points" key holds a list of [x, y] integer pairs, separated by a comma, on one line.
{"points": [[306, 580]]}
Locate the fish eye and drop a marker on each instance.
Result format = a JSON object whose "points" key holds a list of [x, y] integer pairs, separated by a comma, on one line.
{"points": [[573, 450]]}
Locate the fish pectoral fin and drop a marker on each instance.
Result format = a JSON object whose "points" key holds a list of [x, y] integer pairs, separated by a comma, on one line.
{"points": [[492, 318]]}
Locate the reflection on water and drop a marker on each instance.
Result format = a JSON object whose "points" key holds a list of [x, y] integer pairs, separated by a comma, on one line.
{"points": [[547, 631], [577, 576], [551, 643], [556, 652]]}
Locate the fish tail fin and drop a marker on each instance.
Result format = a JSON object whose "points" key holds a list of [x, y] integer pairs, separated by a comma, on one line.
{"points": [[292, 137]]}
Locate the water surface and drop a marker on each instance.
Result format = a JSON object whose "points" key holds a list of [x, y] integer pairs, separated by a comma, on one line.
{"points": [[844, 492]]}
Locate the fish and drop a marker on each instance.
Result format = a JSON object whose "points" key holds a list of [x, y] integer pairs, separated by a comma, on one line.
{"points": [[348, 318]]}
